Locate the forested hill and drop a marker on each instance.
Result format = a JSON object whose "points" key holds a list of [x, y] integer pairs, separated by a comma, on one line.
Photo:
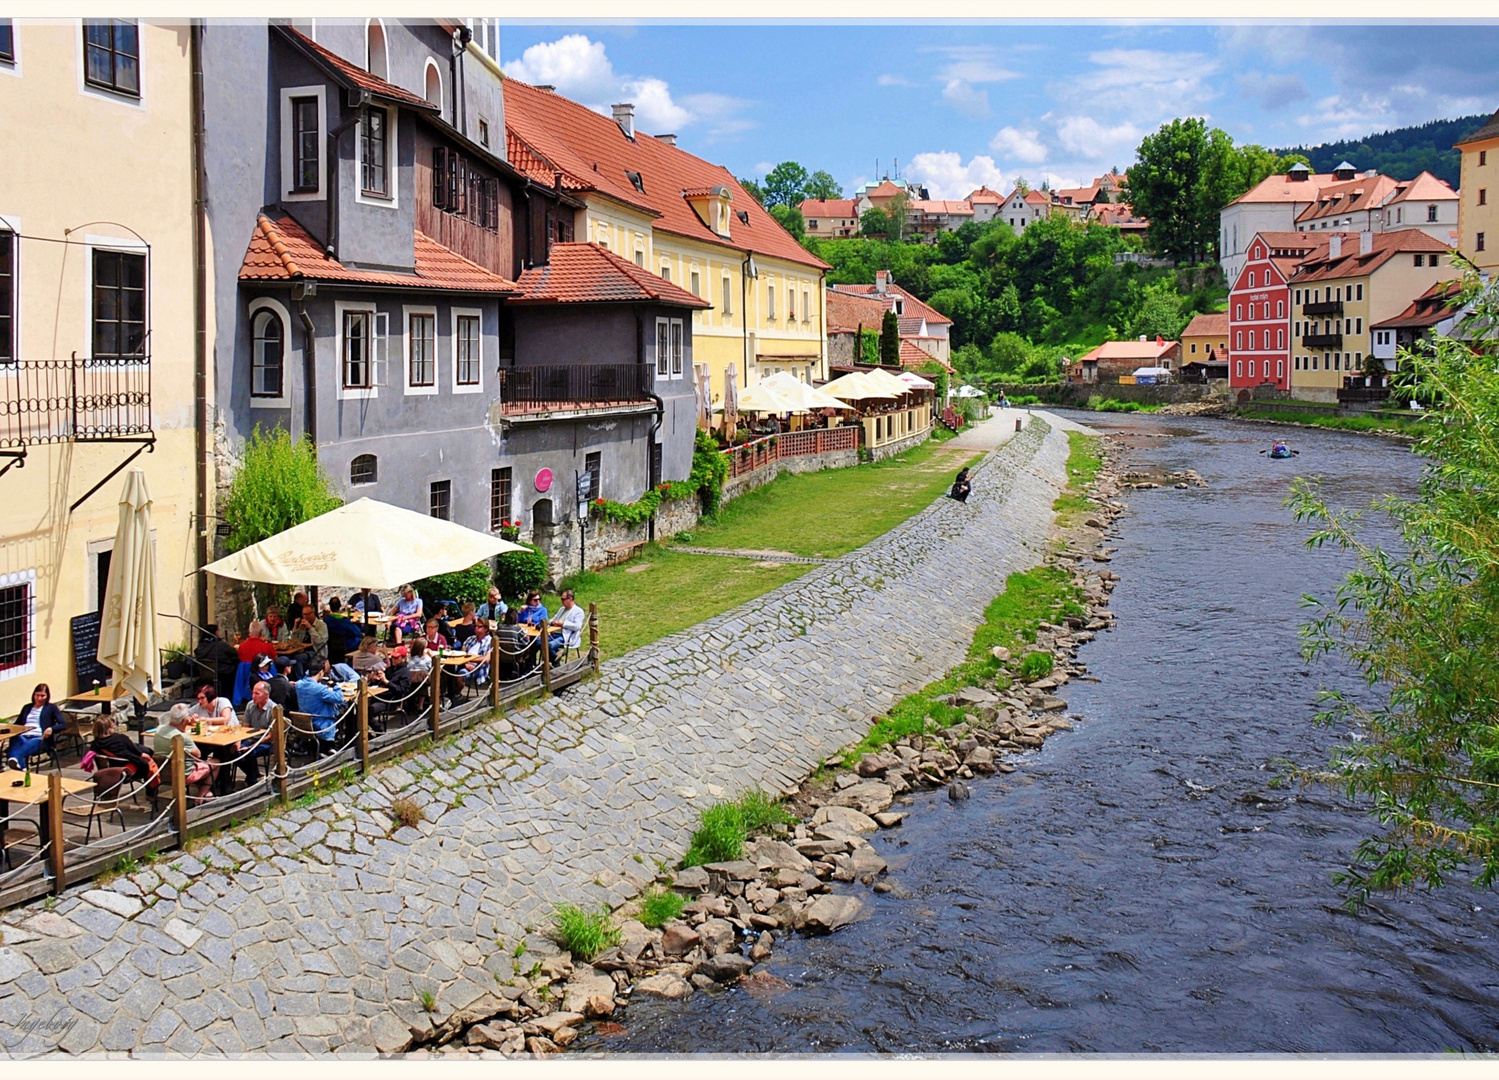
{"points": [[1401, 153]]}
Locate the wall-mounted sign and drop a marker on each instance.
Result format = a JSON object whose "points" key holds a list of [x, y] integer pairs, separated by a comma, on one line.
{"points": [[544, 480]]}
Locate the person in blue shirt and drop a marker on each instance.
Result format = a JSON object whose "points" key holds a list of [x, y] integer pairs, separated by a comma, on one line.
{"points": [[534, 612], [494, 608], [323, 702]]}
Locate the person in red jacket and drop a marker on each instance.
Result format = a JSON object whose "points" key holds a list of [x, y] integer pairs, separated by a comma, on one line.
{"points": [[256, 643]]}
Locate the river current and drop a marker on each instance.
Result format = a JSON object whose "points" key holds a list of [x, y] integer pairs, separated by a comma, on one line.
{"points": [[1141, 884]]}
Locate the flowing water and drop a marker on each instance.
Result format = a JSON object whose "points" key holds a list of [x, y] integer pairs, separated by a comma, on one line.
{"points": [[1141, 885]]}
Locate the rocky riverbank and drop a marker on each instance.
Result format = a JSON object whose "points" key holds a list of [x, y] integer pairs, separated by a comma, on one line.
{"points": [[806, 878]]}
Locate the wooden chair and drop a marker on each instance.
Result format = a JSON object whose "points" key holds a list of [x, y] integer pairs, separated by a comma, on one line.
{"points": [[96, 809], [16, 835]]}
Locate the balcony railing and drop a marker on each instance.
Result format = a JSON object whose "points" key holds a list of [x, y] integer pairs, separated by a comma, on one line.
{"points": [[74, 400], [559, 387], [1322, 341], [1327, 307]]}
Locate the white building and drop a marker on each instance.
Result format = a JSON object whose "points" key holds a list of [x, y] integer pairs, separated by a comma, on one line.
{"points": [[1272, 205]]}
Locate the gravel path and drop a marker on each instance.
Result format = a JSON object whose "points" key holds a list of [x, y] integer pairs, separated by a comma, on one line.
{"points": [[319, 930]]}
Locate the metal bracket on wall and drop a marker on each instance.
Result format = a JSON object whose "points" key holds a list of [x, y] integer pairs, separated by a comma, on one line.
{"points": [[17, 459], [147, 444]]}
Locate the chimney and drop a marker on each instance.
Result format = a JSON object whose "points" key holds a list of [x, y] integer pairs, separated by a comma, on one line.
{"points": [[1335, 246], [624, 116], [1142, 337], [1365, 243], [882, 281], [668, 139], [546, 88]]}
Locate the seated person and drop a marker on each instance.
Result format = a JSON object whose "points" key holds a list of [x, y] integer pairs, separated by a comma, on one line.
{"points": [[460, 631], [534, 612], [218, 660], [211, 708], [516, 654], [399, 682], [434, 636], [474, 671], [117, 757], [570, 620], [324, 703], [312, 632], [493, 608], [343, 636], [408, 613], [42, 721], [367, 601], [419, 663], [276, 630], [279, 685], [247, 752], [199, 773], [367, 660], [255, 644]]}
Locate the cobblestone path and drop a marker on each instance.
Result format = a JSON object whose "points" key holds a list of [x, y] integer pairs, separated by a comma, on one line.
{"points": [[320, 930]]}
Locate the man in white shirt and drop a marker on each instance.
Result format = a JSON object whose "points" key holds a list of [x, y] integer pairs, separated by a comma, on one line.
{"points": [[571, 619]]}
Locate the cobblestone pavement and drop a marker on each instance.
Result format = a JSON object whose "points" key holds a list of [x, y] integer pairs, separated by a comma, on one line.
{"points": [[320, 929]]}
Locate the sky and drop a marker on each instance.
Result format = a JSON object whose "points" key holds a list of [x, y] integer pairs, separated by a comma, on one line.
{"points": [[955, 106]]}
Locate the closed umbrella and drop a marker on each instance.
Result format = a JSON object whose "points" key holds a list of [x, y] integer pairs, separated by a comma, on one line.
{"points": [[704, 397], [730, 403], [127, 626], [365, 543]]}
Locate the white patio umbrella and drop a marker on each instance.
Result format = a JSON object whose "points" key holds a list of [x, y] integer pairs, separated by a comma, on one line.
{"points": [[363, 544], [856, 387], [127, 627], [883, 379], [915, 381], [784, 393]]}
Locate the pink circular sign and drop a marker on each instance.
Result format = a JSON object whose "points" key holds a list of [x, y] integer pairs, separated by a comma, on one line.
{"points": [[544, 480]]}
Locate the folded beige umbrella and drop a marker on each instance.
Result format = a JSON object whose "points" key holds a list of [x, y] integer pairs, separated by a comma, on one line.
{"points": [[127, 626], [363, 544]]}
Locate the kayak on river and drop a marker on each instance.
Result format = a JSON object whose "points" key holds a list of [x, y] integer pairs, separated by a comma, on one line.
{"points": [[1281, 450]]}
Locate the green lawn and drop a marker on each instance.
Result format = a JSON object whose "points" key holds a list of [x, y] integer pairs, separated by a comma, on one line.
{"points": [[1083, 462], [827, 514], [662, 591]]}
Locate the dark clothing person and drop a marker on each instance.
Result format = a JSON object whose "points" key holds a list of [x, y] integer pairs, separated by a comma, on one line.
{"points": [[220, 658], [281, 692], [961, 487], [343, 638], [123, 748]]}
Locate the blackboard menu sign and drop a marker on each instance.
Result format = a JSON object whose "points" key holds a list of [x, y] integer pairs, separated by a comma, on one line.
{"points": [[86, 666]]}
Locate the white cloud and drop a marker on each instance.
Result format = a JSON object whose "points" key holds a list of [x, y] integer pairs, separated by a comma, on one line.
{"points": [[893, 80], [969, 101], [946, 176], [968, 68], [580, 69], [1088, 139], [1024, 145]]}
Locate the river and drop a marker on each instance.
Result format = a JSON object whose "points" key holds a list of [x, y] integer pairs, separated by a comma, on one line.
{"points": [[1141, 884]]}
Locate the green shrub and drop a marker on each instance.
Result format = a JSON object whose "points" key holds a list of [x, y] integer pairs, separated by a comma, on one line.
{"points": [[759, 811], [661, 906], [1036, 665], [461, 585], [582, 933], [727, 825], [518, 572]]}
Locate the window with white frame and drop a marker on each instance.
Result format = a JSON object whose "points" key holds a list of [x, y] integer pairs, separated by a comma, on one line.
{"points": [[360, 339], [663, 349], [374, 153], [806, 306], [302, 112], [770, 301], [697, 283], [267, 354], [666, 271], [112, 55], [17, 624], [467, 349], [790, 304], [676, 348], [119, 305], [727, 296], [421, 349]]}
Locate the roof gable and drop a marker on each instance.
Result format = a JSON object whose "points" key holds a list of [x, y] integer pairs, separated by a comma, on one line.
{"points": [[352, 75]]}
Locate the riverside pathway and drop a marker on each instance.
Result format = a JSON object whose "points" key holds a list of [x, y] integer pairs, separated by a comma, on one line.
{"points": [[319, 930]]}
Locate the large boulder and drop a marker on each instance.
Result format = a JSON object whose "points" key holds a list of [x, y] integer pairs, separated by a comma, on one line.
{"points": [[585, 985], [830, 912], [870, 797], [678, 938], [846, 819], [664, 985], [779, 855], [717, 936], [726, 967]]}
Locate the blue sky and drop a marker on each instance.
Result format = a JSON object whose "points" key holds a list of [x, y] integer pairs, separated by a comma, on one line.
{"points": [[964, 104]]}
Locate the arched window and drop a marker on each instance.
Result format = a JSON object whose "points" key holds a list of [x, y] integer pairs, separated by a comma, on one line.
{"points": [[434, 84], [267, 352], [377, 62], [364, 469]]}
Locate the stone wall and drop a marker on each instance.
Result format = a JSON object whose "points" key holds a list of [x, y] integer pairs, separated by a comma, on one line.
{"points": [[1076, 395], [899, 446], [833, 459]]}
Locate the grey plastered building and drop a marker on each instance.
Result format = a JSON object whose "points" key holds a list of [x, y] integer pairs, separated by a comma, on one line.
{"points": [[384, 285]]}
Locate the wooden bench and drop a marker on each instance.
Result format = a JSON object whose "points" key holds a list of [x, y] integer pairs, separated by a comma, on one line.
{"points": [[623, 552]]}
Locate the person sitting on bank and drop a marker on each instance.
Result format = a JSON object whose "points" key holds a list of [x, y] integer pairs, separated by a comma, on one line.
{"points": [[42, 721], [493, 608], [322, 702], [961, 486], [534, 612], [409, 616], [198, 773], [571, 620], [118, 757]]}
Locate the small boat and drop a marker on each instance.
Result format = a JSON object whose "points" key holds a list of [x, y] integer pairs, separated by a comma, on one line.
{"points": [[1280, 450]]}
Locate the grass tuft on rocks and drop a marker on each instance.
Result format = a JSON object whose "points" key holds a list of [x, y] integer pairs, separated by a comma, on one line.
{"points": [[725, 826], [660, 906], [405, 811], [1084, 459], [1036, 665], [585, 934]]}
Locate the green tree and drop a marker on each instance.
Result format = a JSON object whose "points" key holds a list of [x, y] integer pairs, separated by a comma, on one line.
{"points": [[1417, 618], [785, 185], [821, 185], [1160, 312], [756, 192], [1009, 353], [790, 219], [874, 222], [890, 340], [279, 484], [1170, 186]]}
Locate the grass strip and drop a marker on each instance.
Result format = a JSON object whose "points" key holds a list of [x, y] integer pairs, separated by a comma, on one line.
{"points": [[1325, 418]]}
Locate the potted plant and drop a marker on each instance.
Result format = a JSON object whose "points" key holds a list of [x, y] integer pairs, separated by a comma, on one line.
{"points": [[174, 662], [510, 530]]}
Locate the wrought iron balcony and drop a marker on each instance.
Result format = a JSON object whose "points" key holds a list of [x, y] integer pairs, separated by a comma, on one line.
{"points": [[548, 388], [1327, 307], [1322, 341]]}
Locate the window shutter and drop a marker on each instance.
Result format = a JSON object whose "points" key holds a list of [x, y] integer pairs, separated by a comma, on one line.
{"points": [[440, 177], [379, 342], [492, 186]]}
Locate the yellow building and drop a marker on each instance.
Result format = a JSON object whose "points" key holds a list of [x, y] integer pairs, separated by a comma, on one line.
{"points": [[1478, 202], [686, 219], [1339, 293], [96, 326]]}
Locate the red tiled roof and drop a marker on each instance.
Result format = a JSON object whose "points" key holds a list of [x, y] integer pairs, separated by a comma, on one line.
{"points": [[913, 355], [1129, 350], [354, 74], [1119, 215], [1277, 189], [1079, 196], [846, 312], [1350, 263], [912, 305], [1210, 325], [821, 208], [281, 250], [984, 195], [581, 273], [1431, 307], [1349, 196], [537, 168], [594, 153], [1424, 188], [885, 189], [941, 206]]}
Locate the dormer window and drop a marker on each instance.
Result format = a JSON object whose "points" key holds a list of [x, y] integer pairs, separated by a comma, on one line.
{"points": [[635, 179], [743, 216]]}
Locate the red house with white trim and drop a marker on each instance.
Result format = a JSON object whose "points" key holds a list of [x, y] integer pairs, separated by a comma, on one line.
{"points": [[1259, 310]]}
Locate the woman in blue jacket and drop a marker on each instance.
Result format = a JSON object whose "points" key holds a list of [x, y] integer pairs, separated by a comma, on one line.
{"points": [[42, 720]]}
